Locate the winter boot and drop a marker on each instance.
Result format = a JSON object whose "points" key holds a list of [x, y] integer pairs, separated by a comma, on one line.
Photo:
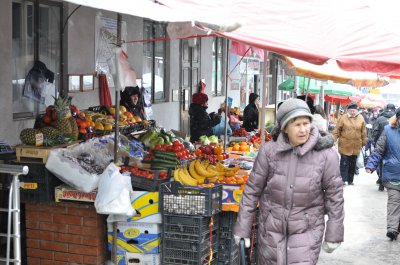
{"points": [[392, 235], [381, 187]]}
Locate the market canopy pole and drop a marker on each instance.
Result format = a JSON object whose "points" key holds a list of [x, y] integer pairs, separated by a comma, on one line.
{"points": [[117, 90], [264, 98]]}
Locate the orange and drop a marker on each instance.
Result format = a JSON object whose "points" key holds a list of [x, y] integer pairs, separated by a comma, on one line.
{"points": [[243, 143], [244, 148], [236, 147]]}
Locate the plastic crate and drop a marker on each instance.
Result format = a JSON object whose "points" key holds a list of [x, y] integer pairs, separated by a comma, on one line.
{"points": [[227, 251], [227, 222], [150, 184], [231, 258], [191, 228], [101, 109], [180, 252], [38, 185], [190, 200]]}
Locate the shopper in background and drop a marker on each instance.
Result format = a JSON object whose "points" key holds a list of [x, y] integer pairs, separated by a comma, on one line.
{"points": [[319, 118], [388, 150], [219, 129], [250, 113], [351, 133], [377, 130], [201, 122], [235, 121], [295, 181], [131, 100]]}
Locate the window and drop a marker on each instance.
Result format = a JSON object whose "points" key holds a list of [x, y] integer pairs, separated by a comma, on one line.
{"points": [[154, 60], [35, 36], [218, 66]]}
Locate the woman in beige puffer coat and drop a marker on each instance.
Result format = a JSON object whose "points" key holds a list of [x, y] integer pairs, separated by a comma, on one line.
{"points": [[296, 181]]}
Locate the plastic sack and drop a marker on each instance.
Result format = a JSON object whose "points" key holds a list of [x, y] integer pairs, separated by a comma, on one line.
{"points": [[71, 165], [360, 159], [115, 193]]}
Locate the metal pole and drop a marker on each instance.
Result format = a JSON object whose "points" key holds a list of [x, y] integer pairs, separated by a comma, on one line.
{"points": [[16, 221], [264, 98], [117, 90], [226, 98]]}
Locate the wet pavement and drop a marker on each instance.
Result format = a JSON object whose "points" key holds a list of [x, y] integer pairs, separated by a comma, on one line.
{"points": [[365, 241]]}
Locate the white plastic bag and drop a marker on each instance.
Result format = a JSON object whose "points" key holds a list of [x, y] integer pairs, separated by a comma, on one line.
{"points": [[360, 159], [115, 193]]}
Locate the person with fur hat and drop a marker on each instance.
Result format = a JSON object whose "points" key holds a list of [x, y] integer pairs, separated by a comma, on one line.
{"points": [[235, 121], [131, 100], [388, 151], [250, 113], [295, 181], [351, 133], [201, 122]]}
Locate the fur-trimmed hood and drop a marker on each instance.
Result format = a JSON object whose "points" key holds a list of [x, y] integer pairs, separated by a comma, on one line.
{"points": [[319, 140]]}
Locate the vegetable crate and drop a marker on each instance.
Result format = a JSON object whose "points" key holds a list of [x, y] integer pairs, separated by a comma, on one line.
{"points": [[228, 251], [193, 253], [193, 228], [150, 184], [190, 200], [38, 185]]}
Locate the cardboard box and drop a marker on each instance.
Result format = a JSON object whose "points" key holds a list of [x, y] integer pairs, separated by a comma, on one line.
{"points": [[146, 205], [66, 193], [231, 196], [137, 259], [142, 259], [136, 237]]}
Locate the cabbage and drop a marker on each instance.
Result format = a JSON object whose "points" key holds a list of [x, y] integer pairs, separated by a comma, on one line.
{"points": [[213, 139], [204, 140]]}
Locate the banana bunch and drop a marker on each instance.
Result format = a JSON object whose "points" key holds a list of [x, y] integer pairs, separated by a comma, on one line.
{"points": [[226, 171], [182, 175]]}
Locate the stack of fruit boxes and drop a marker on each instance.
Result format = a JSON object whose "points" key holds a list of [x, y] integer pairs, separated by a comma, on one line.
{"points": [[139, 238]]}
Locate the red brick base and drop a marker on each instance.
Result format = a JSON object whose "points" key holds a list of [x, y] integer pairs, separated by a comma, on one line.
{"points": [[65, 234]]}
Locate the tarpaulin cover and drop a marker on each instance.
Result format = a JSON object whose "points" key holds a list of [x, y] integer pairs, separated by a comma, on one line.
{"points": [[361, 35]]}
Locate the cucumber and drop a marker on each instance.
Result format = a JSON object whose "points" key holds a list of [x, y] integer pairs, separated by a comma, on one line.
{"points": [[165, 158], [164, 153], [159, 166], [156, 160]]}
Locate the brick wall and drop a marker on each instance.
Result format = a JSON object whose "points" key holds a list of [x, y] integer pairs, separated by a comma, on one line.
{"points": [[64, 234]]}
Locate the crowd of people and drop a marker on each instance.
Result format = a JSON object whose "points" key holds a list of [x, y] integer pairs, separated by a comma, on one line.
{"points": [[299, 176]]}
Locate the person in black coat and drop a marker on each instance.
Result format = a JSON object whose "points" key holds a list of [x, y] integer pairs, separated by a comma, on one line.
{"points": [[201, 122], [250, 113], [131, 100]]}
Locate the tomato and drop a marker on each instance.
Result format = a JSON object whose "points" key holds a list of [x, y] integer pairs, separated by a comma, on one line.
{"points": [[162, 175], [176, 142], [158, 147]]}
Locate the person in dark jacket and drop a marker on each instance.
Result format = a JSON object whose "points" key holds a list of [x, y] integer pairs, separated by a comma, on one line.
{"points": [[388, 150], [379, 124], [131, 100], [250, 113], [201, 122]]}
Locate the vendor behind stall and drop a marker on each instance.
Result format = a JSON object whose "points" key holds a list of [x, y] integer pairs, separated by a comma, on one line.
{"points": [[131, 100], [201, 122]]}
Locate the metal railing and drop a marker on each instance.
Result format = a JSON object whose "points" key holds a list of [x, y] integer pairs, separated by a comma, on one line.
{"points": [[13, 213]]}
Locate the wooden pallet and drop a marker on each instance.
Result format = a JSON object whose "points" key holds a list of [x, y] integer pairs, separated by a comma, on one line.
{"points": [[27, 153]]}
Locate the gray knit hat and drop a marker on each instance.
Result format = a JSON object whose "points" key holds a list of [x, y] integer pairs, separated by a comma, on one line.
{"points": [[290, 109]]}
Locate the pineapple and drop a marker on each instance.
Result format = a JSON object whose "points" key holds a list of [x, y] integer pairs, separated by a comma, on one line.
{"points": [[63, 125], [50, 133], [74, 127], [28, 136]]}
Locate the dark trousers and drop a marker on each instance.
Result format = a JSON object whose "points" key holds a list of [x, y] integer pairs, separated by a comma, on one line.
{"points": [[348, 167]]}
